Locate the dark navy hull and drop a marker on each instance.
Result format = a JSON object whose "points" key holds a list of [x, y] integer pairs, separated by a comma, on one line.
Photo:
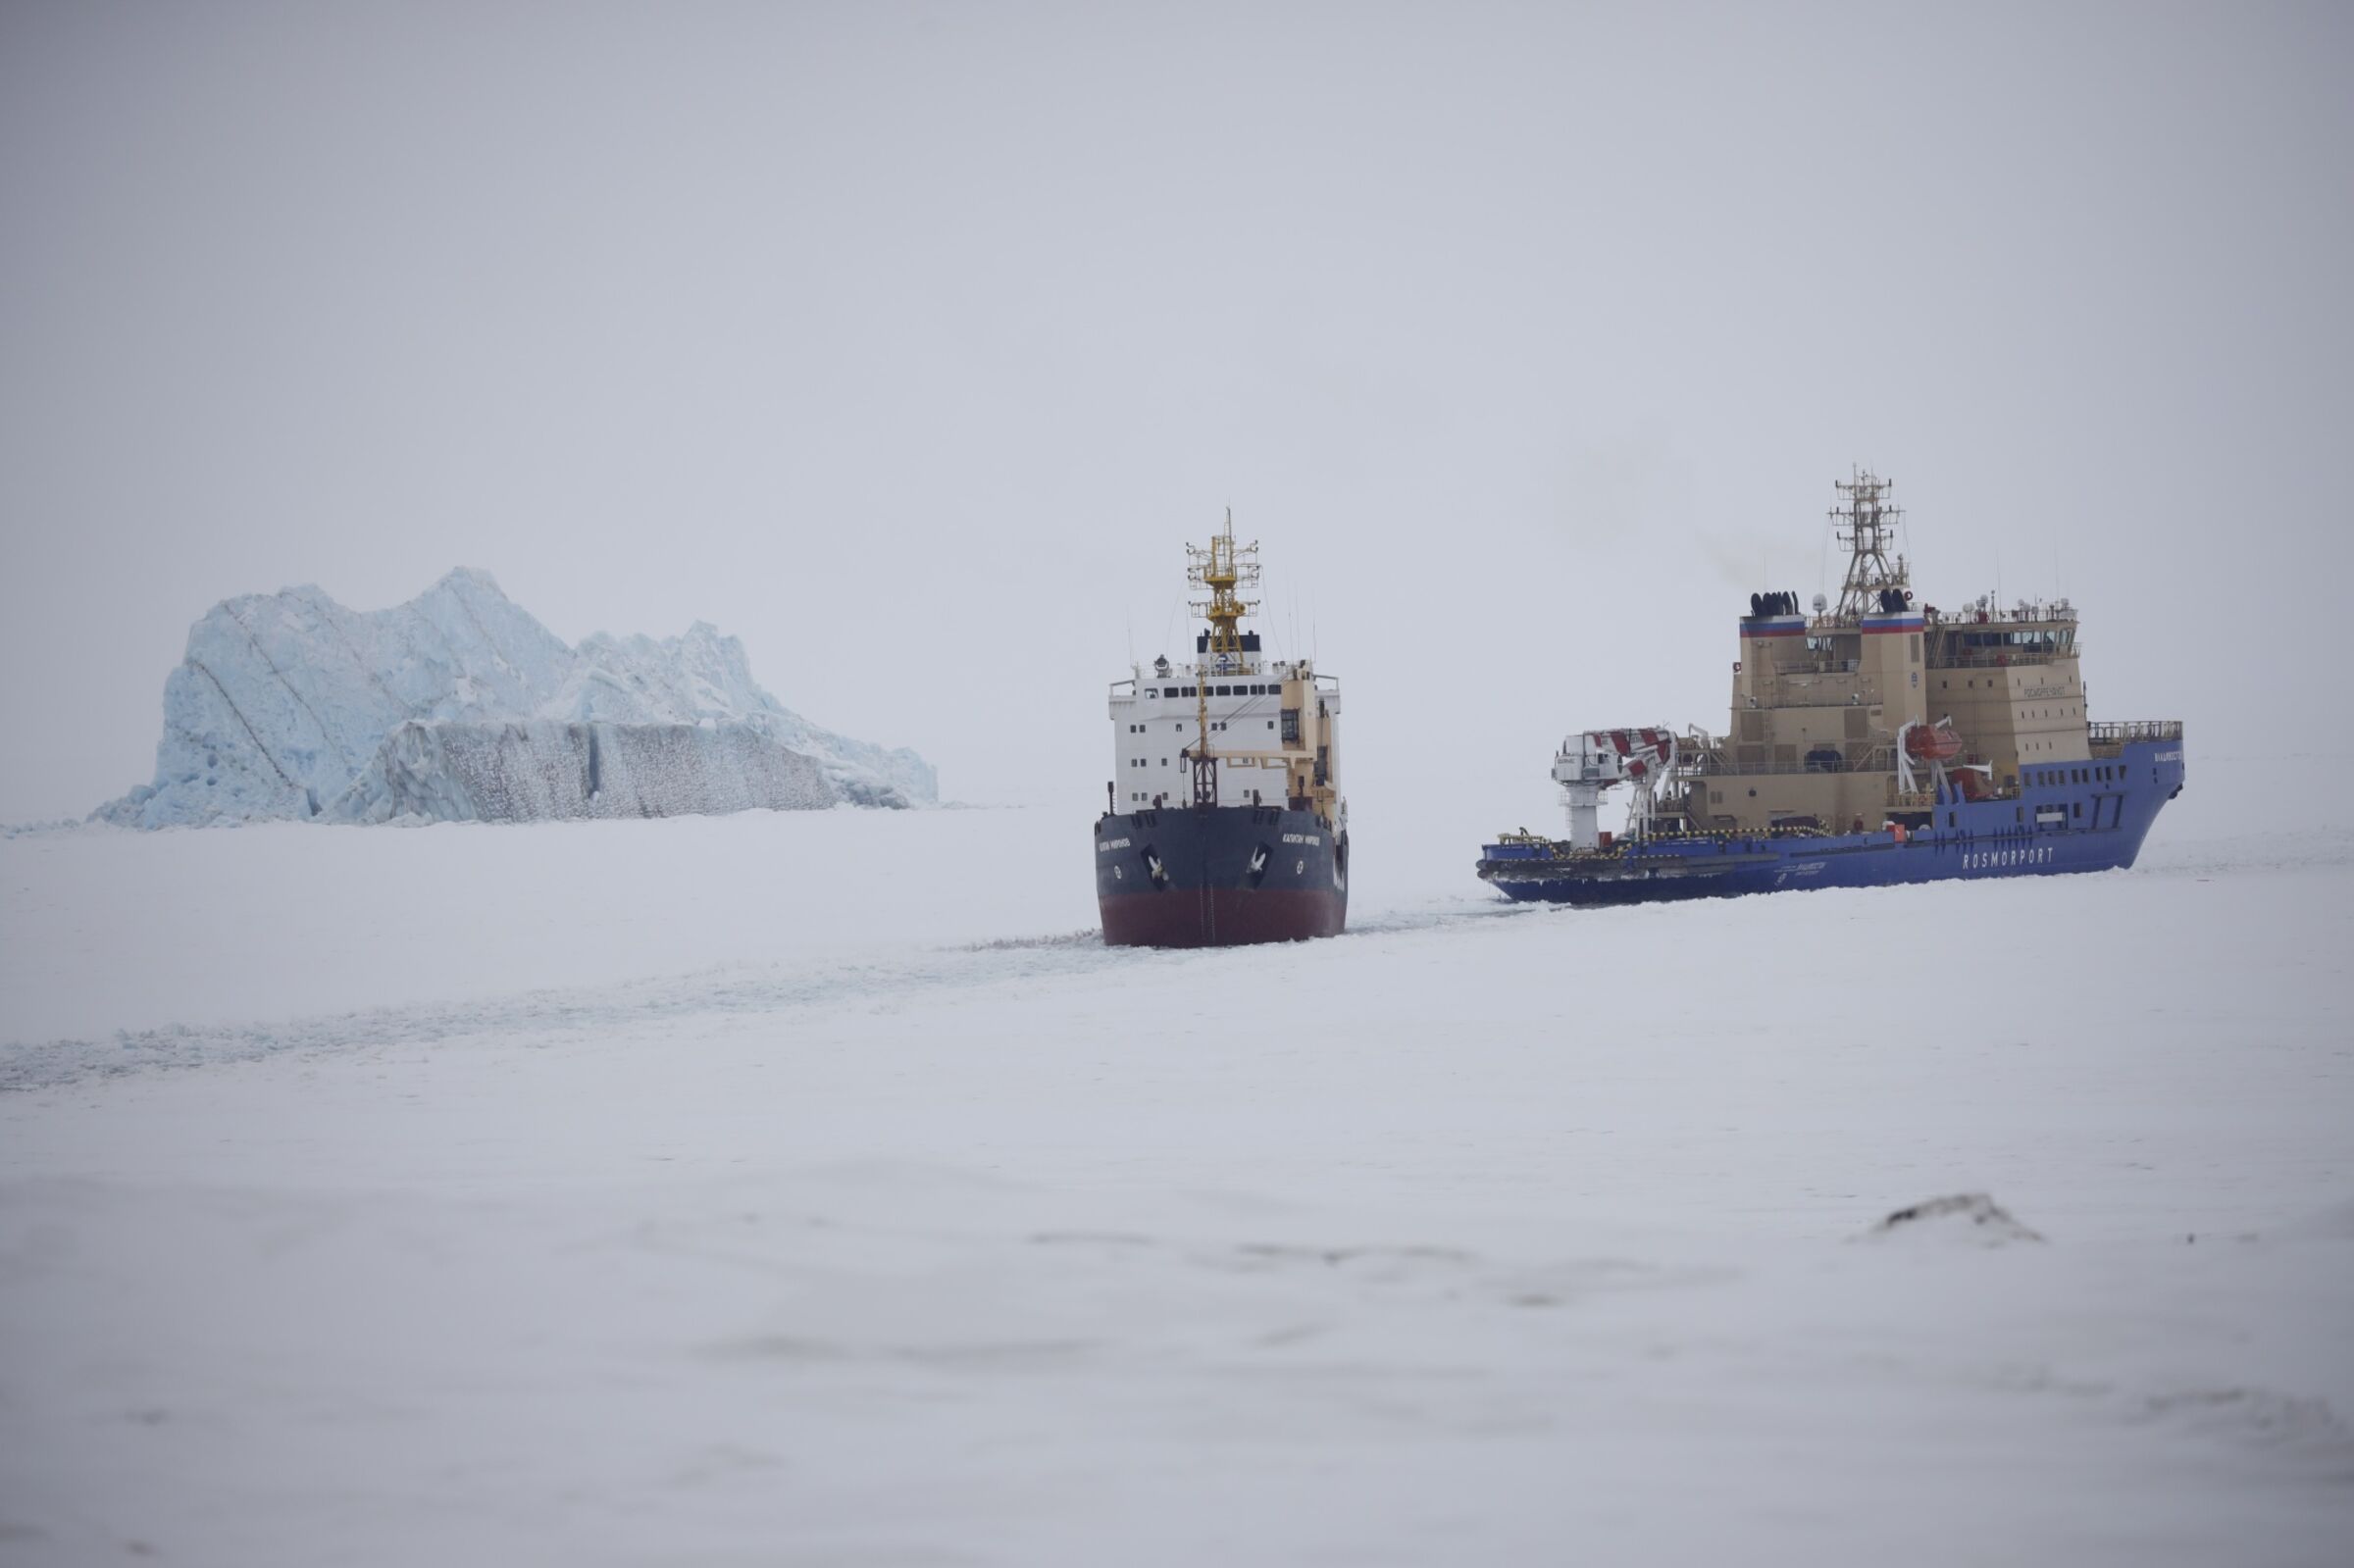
{"points": [[2095, 826], [1219, 877]]}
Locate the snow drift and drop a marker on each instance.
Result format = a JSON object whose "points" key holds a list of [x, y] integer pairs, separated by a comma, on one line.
{"points": [[1967, 1217], [459, 705]]}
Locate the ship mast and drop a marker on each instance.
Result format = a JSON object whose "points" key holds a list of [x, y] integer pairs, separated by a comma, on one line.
{"points": [[1867, 525], [1221, 568]]}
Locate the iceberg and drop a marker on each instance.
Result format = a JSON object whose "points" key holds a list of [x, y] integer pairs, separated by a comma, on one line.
{"points": [[460, 706], [541, 770]]}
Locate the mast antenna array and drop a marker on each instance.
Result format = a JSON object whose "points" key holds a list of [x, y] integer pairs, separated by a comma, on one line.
{"points": [[1222, 568], [1865, 523]]}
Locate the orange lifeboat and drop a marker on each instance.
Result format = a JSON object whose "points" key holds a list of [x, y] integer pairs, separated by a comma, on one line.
{"points": [[1932, 743]]}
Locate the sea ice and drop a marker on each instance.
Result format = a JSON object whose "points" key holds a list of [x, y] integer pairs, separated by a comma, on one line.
{"points": [[682, 1191]]}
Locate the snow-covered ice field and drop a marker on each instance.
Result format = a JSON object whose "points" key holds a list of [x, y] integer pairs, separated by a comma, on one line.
{"points": [[812, 1188]]}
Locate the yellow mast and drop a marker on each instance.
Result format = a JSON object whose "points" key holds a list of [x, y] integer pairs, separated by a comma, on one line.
{"points": [[1221, 568]]}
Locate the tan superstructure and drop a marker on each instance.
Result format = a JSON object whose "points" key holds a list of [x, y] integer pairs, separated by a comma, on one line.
{"points": [[1820, 701]]}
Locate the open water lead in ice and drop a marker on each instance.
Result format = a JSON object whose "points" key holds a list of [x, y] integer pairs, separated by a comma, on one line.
{"points": [[1874, 743], [1225, 823]]}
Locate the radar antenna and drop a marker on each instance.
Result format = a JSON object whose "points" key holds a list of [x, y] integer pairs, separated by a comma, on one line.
{"points": [[1867, 525]]}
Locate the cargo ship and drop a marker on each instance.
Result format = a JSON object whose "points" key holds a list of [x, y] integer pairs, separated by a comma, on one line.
{"points": [[1876, 741], [1224, 823]]}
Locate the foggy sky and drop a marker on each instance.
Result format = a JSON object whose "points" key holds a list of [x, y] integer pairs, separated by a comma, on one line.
{"points": [[910, 343]]}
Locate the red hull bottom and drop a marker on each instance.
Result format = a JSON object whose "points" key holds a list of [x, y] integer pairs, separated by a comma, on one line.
{"points": [[1221, 917]]}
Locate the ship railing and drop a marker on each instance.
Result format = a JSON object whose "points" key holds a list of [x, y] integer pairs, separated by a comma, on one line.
{"points": [[1999, 658], [1253, 668], [2108, 739], [1625, 843], [2032, 612]]}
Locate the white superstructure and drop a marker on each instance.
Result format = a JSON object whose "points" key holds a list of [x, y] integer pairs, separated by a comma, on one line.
{"points": [[1230, 727], [1261, 717]]}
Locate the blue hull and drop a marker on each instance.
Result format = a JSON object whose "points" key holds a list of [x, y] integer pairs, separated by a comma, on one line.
{"points": [[2044, 831]]}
